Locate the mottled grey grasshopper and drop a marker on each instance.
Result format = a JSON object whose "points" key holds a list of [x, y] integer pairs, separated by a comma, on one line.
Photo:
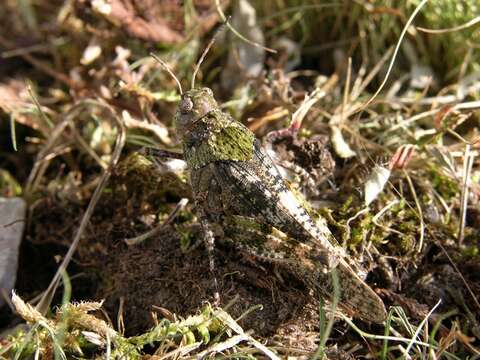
{"points": [[241, 198]]}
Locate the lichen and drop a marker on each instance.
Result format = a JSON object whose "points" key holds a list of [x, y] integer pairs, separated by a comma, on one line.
{"points": [[226, 140]]}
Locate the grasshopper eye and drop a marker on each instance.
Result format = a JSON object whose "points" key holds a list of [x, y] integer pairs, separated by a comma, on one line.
{"points": [[186, 105], [208, 91]]}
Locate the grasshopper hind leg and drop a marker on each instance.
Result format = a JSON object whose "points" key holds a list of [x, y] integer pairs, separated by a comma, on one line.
{"points": [[269, 244]]}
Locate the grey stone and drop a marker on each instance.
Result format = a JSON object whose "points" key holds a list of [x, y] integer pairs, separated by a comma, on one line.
{"points": [[12, 223]]}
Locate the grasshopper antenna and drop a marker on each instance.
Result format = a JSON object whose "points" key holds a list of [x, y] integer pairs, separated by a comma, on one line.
{"points": [[205, 52], [165, 66]]}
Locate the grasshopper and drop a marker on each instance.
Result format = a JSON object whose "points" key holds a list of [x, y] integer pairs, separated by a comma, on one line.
{"points": [[242, 199]]}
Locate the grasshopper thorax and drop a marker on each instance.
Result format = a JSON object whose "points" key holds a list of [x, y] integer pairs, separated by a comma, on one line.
{"points": [[194, 104]]}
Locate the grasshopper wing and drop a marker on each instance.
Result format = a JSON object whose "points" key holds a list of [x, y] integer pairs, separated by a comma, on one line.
{"points": [[259, 192]]}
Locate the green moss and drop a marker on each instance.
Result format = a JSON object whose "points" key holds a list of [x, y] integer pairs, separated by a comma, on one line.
{"points": [[186, 237], [20, 343], [9, 187], [347, 205], [360, 232], [406, 243], [445, 186], [471, 251]]}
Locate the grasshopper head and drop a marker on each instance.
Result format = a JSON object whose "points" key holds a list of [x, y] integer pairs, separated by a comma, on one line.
{"points": [[195, 104]]}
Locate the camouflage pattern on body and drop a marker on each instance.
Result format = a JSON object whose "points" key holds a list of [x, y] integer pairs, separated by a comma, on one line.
{"points": [[243, 199]]}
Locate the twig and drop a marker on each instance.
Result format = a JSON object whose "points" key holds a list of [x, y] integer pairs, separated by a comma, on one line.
{"points": [[219, 347], [181, 351], [37, 104], [467, 169], [161, 153], [42, 154], [397, 48], [419, 210], [380, 214], [346, 90], [240, 36], [419, 327], [42, 66], [87, 147], [468, 24], [47, 297], [232, 324], [138, 239], [159, 131]]}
